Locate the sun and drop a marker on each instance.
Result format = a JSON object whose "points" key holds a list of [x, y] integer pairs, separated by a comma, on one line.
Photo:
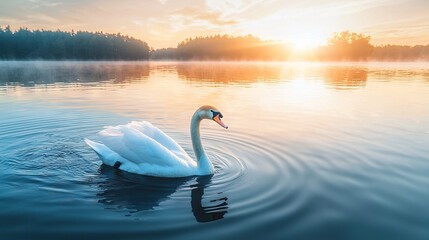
{"points": [[303, 45], [306, 41]]}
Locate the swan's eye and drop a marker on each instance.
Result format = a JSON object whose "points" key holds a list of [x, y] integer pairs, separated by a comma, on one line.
{"points": [[216, 113]]}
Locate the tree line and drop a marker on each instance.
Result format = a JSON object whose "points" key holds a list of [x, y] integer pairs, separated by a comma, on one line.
{"points": [[25, 44], [401, 53], [341, 46], [356, 47], [225, 47], [61, 45]]}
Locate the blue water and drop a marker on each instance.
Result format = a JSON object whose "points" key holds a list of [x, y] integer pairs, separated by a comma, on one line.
{"points": [[314, 151]]}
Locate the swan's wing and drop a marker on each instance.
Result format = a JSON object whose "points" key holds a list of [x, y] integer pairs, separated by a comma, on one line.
{"points": [[106, 154], [156, 134], [137, 147]]}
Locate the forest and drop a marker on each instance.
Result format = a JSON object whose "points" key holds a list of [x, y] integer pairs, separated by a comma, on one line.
{"points": [[226, 47], [341, 46], [24, 44]]}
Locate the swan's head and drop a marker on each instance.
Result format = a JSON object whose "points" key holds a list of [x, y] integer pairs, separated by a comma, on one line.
{"points": [[209, 112]]}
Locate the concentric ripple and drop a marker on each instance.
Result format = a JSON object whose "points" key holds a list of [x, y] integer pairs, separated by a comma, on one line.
{"points": [[309, 153]]}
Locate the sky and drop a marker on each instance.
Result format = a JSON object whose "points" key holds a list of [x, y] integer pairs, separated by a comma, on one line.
{"points": [[165, 23]]}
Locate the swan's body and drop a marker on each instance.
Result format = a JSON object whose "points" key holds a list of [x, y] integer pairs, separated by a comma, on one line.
{"points": [[140, 147]]}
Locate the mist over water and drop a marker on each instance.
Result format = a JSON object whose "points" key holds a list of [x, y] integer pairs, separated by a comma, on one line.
{"points": [[313, 151]]}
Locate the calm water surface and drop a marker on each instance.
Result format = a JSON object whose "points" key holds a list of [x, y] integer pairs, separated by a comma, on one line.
{"points": [[314, 151]]}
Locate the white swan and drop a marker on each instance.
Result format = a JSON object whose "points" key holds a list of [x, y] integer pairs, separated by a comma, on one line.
{"points": [[141, 148]]}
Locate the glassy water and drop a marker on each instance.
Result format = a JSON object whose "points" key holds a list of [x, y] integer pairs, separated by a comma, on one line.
{"points": [[314, 151]]}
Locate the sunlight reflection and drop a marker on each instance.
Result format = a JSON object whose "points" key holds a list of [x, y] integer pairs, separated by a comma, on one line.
{"points": [[266, 88], [346, 78]]}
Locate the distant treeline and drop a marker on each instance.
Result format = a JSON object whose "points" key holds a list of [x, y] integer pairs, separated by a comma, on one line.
{"points": [[25, 44], [60, 45], [342, 46], [356, 47], [225, 47], [401, 53]]}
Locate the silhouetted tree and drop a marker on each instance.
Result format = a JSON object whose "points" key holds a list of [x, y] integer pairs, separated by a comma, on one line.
{"points": [[347, 46], [58, 45]]}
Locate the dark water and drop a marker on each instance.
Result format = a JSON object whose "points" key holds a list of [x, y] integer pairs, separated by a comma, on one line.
{"points": [[314, 151]]}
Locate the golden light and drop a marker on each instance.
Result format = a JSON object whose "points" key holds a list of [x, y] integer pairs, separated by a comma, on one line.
{"points": [[307, 40], [305, 35]]}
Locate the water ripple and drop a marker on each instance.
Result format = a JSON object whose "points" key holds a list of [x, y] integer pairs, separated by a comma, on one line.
{"points": [[308, 155]]}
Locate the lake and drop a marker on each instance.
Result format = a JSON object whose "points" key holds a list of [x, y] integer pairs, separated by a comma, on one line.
{"points": [[313, 150]]}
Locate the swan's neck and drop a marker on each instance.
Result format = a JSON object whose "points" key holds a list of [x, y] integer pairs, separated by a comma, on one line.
{"points": [[204, 164]]}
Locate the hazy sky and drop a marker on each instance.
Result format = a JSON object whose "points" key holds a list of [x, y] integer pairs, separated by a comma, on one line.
{"points": [[164, 23]]}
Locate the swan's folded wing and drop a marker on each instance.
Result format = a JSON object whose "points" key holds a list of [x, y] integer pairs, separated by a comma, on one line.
{"points": [[137, 147], [156, 134]]}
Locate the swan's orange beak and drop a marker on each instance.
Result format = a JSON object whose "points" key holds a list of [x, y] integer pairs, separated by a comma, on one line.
{"points": [[217, 119]]}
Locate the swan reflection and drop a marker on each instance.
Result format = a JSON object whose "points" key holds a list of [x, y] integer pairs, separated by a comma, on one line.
{"points": [[216, 210], [136, 193]]}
